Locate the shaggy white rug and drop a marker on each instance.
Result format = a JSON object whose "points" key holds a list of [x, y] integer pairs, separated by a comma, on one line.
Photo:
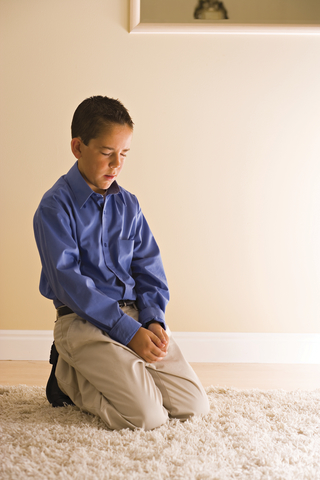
{"points": [[248, 434]]}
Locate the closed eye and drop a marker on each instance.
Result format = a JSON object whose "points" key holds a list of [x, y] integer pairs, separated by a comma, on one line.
{"points": [[123, 154]]}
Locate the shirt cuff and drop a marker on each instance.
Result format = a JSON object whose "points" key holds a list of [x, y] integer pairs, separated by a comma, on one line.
{"points": [[152, 313], [125, 329]]}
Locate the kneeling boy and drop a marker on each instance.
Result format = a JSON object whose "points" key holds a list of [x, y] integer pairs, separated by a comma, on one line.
{"points": [[113, 355]]}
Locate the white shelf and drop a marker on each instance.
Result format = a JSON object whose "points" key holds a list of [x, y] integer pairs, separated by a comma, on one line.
{"points": [[205, 28]]}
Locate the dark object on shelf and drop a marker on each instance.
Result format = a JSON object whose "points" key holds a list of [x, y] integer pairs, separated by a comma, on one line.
{"points": [[210, 10]]}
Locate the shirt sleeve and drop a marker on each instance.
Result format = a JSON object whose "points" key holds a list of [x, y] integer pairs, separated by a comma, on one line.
{"points": [[60, 259], [147, 270]]}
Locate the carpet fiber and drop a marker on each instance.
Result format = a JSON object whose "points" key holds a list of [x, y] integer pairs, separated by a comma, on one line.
{"points": [[248, 434]]}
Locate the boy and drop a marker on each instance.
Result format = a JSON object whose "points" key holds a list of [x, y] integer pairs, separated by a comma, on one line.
{"points": [[112, 355]]}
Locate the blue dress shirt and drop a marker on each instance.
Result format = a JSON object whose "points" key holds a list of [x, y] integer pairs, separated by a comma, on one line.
{"points": [[96, 250]]}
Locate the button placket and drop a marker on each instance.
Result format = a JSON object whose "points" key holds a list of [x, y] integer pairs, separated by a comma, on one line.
{"points": [[110, 215], [105, 239]]}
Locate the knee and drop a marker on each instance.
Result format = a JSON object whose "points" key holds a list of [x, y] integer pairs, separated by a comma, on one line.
{"points": [[195, 405], [150, 418], [200, 405]]}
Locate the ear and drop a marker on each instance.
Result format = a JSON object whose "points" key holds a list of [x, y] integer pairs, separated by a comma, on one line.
{"points": [[76, 147]]}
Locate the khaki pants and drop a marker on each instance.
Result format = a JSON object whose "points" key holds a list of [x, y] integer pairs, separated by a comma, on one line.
{"points": [[108, 379]]}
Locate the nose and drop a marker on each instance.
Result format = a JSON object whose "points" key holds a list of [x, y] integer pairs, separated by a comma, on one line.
{"points": [[115, 161]]}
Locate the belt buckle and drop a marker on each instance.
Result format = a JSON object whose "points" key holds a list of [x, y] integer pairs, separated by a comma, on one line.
{"points": [[125, 303]]}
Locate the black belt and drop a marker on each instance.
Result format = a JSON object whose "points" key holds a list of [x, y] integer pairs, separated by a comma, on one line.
{"points": [[64, 310], [125, 303]]}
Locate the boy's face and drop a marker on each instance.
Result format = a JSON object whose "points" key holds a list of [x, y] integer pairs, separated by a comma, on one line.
{"points": [[101, 161]]}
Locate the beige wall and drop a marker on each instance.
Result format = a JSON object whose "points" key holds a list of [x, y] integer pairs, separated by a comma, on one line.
{"points": [[225, 158]]}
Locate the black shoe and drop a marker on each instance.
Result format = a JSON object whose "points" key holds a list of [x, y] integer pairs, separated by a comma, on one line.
{"points": [[55, 396]]}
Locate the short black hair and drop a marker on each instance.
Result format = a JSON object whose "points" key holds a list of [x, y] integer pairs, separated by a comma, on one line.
{"points": [[95, 114]]}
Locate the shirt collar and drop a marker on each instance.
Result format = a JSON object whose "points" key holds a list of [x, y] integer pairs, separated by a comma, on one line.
{"points": [[114, 188], [81, 189]]}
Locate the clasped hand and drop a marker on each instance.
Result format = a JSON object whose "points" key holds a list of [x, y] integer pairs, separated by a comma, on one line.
{"points": [[151, 344]]}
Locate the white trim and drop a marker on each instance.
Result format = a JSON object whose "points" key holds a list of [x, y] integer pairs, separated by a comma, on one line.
{"points": [[250, 347], [134, 14], [207, 28], [25, 344], [210, 347]]}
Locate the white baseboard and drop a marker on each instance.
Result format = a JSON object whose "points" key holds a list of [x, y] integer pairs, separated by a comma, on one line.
{"points": [[25, 344], [250, 347], [196, 346]]}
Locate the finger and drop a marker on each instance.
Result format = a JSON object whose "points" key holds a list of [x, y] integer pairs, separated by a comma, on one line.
{"points": [[153, 355], [166, 336], [151, 358], [161, 334], [164, 344], [165, 348], [156, 340], [157, 352]]}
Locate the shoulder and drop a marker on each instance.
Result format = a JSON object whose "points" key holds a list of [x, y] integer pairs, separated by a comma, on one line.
{"points": [[58, 194], [59, 188], [128, 195], [71, 189], [129, 198], [56, 203]]}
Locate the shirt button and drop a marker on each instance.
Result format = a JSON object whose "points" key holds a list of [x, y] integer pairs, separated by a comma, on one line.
{"points": [[105, 244]]}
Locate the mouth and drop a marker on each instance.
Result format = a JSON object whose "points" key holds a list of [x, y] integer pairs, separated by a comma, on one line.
{"points": [[109, 177]]}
